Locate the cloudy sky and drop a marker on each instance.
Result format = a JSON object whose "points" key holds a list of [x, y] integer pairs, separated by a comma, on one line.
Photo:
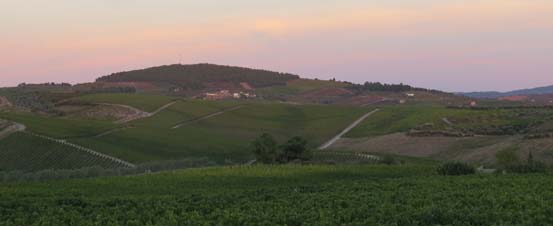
{"points": [[454, 45]]}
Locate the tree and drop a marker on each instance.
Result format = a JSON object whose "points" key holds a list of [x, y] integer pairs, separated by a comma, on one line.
{"points": [[295, 148], [507, 158], [265, 148]]}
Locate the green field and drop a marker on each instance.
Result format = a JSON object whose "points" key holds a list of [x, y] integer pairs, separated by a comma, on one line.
{"points": [[297, 87], [394, 119], [25, 152], [143, 102], [224, 137], [284, 195]]}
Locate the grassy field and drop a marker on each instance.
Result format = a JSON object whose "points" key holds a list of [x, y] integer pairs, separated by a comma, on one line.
{"points": [[394, 119], [298, 86], [224, 137], [284, 195], [143, 102], [58, 127], [27, 153]]}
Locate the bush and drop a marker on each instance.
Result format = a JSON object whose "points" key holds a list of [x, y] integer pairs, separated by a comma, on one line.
{"points": [[265, 148], [536, 167], [388, 160], [455, 169]]}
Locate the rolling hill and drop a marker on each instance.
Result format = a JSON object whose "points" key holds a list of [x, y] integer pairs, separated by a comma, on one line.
{"points": [[521, 92]]}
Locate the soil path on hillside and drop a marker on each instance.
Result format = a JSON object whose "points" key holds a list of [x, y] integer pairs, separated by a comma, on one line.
{"points": [[137, 113], [206, 117], [4, 102], [14, 127], [350, 127]]}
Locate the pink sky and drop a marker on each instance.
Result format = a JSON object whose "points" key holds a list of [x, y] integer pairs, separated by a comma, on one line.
{"points": [[454, 45]]}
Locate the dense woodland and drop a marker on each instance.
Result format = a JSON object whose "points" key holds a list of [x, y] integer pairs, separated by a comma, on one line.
{"points": [[383, 87], [196, 76]]}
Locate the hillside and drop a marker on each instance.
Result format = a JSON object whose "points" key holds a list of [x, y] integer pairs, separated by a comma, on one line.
{"points": [[521, 92], [201, 76]]}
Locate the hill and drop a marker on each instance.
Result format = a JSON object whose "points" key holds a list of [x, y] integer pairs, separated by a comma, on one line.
{"points": [[521, 92], [201, 76]]}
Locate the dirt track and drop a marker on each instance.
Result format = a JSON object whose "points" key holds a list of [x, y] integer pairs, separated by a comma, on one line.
{"points": [[137, 113], [350, 127], [4, 102], [206, 117], [14, 127]]}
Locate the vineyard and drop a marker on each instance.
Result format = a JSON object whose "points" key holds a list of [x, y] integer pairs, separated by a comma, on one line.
{"points": [[284, 195], [26, 152]]}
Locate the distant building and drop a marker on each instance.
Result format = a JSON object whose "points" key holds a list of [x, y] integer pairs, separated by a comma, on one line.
{"points": [[410, 94]]}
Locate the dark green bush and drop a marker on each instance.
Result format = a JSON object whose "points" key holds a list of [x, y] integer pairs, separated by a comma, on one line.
{"points": [[455, 169], [388, 160]]}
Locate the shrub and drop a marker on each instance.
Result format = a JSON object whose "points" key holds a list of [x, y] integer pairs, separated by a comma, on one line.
{"points": [[388, 160], [455, 169], [295, 149], [265, 148], [507, 157]]}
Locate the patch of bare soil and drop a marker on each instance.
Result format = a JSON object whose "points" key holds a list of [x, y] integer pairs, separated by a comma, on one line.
{"points": [[4, 102], [246, 86], [7, 128], [481, 150], [99, 112]]}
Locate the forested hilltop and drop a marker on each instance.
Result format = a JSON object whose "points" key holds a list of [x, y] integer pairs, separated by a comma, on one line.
{"points": [[197, 76]]}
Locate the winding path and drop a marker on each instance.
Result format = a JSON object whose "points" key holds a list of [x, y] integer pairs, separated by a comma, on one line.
{"points": [[14, 127], [206, 117], [350, 127], [137, 113]]}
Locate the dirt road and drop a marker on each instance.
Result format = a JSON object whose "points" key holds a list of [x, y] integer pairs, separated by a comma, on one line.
{"points": [[14, 127], [206, 117], [137, 113], [4, 102], [350, 127]]}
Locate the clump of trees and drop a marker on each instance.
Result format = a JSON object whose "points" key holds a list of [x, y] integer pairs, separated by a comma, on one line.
{"points": [[456, 169], [268, 151], [509, 161], [383, 87]]}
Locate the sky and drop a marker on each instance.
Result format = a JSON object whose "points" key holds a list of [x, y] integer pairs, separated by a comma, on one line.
{"points": [[452, 45]]}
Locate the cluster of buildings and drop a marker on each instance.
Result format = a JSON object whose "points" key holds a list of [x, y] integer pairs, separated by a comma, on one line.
{"points": [[226, 94]]}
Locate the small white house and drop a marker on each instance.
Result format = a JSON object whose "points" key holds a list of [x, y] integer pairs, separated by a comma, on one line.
{"points": [[410, 94]]}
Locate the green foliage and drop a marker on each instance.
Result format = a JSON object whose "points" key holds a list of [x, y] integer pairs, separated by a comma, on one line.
{"points": [[148, 103], [265, 148], [24, 152], [294, 149], [267, 151], [377, 86], [531, 166], [226, 136], [284, 195], [388, 160], [455, 169], [507, 157]]}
